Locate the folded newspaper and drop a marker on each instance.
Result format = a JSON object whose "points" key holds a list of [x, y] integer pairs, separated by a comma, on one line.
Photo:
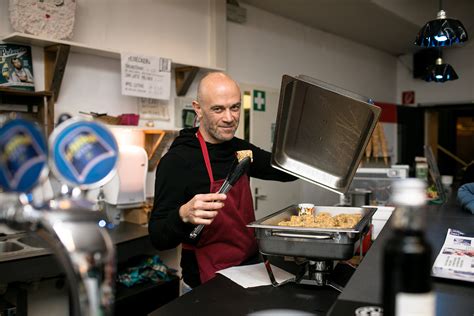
{"points": [[456, 258]]}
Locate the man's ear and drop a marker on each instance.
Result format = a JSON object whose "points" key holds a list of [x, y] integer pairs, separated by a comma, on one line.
{"points": [[197, 109]]}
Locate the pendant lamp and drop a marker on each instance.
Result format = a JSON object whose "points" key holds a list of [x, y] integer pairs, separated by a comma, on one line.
{"points": [[441, 32], [440, 72]]}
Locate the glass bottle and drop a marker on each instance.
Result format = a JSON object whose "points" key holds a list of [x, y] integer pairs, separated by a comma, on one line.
{"points": [[407, 288]]}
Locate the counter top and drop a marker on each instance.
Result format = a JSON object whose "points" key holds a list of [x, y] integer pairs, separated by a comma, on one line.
{"points": [[453, 297], [220, 296], [130, 240]]}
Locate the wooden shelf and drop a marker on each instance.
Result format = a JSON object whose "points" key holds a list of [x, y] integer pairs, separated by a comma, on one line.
{"points": [[43, 100], [27, 39], [26, 93], [56, 54]]}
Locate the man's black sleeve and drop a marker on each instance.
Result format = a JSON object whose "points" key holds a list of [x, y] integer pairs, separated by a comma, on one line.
{"points": [[165, 227]]}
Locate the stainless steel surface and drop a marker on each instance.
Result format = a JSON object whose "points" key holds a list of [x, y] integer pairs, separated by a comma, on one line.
{"points": [[359, 197], [321, 132], [379, 181], [84, 249], [7, 246], [317, 243], [29, 247], [258, 197], [32, 242]]}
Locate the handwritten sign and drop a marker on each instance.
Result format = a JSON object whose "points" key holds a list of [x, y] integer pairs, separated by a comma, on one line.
{"points": [[153, 109], [146, 76]]}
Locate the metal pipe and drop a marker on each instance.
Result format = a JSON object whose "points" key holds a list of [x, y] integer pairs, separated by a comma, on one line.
{"points": [[84, 249]]}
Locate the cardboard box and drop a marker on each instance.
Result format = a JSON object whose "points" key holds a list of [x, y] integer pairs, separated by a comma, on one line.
{"points": [[137, 215]]}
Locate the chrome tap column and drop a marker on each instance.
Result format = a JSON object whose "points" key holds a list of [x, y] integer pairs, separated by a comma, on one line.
{"points": [[82, 155]]}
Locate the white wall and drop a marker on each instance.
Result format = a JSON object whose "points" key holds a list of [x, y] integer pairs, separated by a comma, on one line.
{"points": [[179, 29], [267, 46], [457, 91], [258, 52]]}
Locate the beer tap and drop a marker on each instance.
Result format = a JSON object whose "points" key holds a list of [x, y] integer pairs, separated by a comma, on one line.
{"points": [[82, 155]]}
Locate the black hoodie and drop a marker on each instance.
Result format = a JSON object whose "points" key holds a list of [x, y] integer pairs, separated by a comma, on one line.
{"points": [[181, 174]]}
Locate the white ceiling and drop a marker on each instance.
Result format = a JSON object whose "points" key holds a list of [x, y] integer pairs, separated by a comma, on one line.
{"points": [[388, 25]]}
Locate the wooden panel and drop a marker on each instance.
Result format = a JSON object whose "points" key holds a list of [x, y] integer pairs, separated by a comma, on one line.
{"points": [[37, 106]]}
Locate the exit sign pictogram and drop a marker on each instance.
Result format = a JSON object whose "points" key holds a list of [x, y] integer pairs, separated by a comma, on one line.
{"points": [[259, 100], [408, 97]]}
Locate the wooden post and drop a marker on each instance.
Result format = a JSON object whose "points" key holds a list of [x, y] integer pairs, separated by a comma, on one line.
{"points": [[184, 76], [55, 60]]}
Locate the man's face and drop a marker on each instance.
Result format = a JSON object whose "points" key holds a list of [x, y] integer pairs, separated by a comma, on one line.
{"points": [[219, 110], [17, 63]]}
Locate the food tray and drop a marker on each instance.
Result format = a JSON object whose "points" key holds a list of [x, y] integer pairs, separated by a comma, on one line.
{"points": [[321, 132], [309, 242]]}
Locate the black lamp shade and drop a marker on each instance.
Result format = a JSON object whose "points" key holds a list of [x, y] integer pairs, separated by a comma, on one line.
{"points": [[440, 73], [441, 32]]}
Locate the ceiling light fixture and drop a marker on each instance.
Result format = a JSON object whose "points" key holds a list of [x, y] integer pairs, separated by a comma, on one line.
{"points": [[441, 31], [440, 72]]}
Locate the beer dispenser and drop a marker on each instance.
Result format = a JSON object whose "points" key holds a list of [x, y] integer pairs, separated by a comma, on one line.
{"points": [[82, 155]]}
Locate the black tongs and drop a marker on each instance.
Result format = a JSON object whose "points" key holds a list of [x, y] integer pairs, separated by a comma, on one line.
{"points": [[236, 171]]}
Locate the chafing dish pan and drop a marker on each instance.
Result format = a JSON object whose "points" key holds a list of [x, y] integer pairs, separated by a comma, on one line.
{"points": [[321, 132], [316, 243]]}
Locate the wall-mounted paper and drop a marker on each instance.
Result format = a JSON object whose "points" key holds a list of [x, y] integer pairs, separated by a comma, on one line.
{"points": [[153, 109], [146, 76]]}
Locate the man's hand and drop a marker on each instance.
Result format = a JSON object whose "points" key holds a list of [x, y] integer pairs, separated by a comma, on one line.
{"points": [[202, 208]]}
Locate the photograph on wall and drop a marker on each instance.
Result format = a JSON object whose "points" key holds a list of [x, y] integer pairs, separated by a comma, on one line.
{"points": [[17, 67]]}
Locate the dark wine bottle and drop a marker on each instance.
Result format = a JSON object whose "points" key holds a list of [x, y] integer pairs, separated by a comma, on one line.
{"points": [[407, 288]]}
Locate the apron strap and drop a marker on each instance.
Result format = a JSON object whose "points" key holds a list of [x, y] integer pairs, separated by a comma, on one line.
{"points": [[205, 154], [207, 161]]}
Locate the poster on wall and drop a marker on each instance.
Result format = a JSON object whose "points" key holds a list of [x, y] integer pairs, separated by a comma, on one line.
{"points": [[17, 67], [146, 76]]}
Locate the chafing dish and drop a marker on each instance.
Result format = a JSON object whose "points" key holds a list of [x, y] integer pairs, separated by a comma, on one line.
{"points": [[314, 248], [320, 136], [311, 243]]}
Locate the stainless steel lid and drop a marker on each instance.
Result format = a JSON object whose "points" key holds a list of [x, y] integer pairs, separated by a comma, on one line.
{"points": [[321, 132]]}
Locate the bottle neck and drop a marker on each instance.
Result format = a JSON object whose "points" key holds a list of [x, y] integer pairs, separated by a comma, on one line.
{"points": [[408, 218]]}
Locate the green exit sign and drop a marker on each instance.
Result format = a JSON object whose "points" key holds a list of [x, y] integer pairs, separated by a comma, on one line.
{"points": [[259, 100]]}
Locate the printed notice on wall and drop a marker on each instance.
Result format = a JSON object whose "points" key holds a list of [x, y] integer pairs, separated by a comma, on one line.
{"points": [[153, 109], [146, 76]]}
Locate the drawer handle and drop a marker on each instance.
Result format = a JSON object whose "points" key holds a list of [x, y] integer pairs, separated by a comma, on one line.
{"points": [[281, 234]]}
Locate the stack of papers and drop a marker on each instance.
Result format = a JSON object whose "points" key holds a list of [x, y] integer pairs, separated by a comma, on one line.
{"points": [[255, 275], [456, 258]]}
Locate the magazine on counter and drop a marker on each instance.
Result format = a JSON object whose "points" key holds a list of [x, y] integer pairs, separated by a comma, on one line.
{"points": [[456, 258], [17, 67]]}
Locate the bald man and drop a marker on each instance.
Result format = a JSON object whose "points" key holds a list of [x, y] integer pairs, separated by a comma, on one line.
{"points": [[192, 170]]}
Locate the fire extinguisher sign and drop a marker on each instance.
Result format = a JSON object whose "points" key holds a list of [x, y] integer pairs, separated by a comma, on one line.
{"points": [[408, 97]]}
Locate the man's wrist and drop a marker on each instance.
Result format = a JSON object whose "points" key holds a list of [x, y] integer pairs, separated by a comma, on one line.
{"points": [[181, 211]]}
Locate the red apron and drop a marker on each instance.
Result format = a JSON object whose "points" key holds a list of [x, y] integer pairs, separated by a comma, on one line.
{"points": [[227, 241]]}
